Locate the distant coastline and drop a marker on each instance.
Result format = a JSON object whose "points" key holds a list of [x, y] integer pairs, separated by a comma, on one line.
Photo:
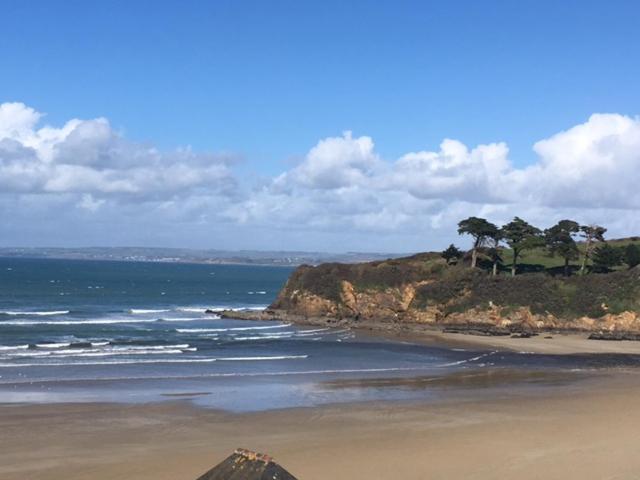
{"points": [[193, 256]]}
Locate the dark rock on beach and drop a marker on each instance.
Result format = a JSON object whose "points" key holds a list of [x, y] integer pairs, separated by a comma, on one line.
{"points": [[484, 332], [615, 336], [250, 314]]}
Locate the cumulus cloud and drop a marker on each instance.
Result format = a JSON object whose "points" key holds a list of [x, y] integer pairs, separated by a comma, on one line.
{"points": [[87, 157], [591, 165], [341, 191], [587, 172], [334, 163]]}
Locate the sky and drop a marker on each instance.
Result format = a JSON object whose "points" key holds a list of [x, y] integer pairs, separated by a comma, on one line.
{"points": [[332, 126]]}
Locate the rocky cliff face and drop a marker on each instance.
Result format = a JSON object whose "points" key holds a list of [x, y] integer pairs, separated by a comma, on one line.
{"points": [[424, 291]]}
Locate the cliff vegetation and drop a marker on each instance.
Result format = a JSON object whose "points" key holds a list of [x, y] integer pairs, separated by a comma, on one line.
{"points": [[554, 282]]}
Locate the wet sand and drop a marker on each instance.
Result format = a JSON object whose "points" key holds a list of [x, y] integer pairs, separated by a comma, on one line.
{"points": [[584, 431]]}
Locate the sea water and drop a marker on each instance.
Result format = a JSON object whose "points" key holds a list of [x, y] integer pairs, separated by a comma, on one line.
{"points": [[73, 331]]}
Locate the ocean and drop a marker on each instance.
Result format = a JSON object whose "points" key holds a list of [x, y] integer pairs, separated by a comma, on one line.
{"points": [[101, 331]]}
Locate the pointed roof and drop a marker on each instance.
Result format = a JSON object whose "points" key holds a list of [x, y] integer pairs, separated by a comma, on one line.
{"points": [[247, 465]]}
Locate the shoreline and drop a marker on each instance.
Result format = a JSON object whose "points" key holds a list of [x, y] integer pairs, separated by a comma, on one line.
{"points": [[546, 343], [516, 436], [560, 343]]}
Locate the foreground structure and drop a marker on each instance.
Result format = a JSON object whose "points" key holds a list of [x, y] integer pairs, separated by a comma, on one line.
{"points": [[247, 465]]}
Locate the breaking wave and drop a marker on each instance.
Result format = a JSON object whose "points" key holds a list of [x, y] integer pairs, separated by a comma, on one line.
{"points": [[230, 329], [39, 314]]}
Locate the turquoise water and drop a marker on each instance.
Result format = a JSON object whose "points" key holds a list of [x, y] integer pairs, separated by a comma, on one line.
{"points": [[137, 332]]}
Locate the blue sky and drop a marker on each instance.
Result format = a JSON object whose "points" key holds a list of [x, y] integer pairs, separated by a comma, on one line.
{"points": [[270, 78], [266, 81]]}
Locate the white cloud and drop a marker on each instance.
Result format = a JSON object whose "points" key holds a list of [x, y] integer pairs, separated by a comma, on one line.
{"points": [[334, 163], [17, 121], [89, 157], [454, 172], [592, 165], [588, 172], [341, 192]]}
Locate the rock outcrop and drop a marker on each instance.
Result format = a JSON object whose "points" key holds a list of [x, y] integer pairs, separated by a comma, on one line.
{"points": [[424, 292]]}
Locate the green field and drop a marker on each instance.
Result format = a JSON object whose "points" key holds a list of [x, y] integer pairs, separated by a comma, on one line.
{"points": [[539, 258]]}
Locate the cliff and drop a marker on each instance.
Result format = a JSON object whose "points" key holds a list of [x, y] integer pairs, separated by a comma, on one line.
{"points": [[423, 291]]}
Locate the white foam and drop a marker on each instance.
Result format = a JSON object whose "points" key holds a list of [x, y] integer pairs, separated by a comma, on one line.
{"points": [[151, 347], [43, 313], [461, 362], [107, 362], [102, 321], [90, 353], [142, 311], [230, 329], [4, 348], [281, 334], [263, 337], [188, 319], [122, 352], [314, 330], [28, 354], [53, 345], [328, 331], [167, 360], [256, 359]]}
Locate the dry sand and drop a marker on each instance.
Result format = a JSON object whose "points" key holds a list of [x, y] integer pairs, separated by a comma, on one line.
{"points": [[590, 431], [546, 343]]}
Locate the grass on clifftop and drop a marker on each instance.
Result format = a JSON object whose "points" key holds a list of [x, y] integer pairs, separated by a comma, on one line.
{"points": [[539, 260]]}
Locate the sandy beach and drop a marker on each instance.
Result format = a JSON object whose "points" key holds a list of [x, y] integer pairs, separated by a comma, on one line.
{"points": [[552, 343], [584, 431]]}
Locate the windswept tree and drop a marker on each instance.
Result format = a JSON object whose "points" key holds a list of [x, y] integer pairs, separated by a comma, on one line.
{"points": [[591, 234], [560, 241], [520, 236], [452, 254], [631, 255], [480, 230]]}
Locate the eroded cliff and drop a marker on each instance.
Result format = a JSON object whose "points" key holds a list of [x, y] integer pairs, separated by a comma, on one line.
{"points": [[424, 291]]}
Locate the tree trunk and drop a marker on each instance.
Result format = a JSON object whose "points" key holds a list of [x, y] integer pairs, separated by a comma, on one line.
{"points": [[566, 267], [585, 255], [514, 264], [474, 257], [495, 269]]}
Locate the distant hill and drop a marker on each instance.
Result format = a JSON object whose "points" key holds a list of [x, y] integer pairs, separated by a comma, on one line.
{"points": [[182, 255]]}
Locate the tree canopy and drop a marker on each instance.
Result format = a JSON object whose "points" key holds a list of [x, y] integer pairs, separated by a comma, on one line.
{"points": [[591, 235], [520, 236], [606, 257], [632, 255], [452, 254], [566, 239], [560, 241], [481, 230]]}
